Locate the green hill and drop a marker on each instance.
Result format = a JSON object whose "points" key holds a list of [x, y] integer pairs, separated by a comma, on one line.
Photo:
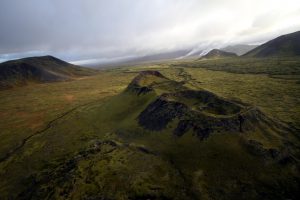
{"points": [[216, 53], [39, 70], [285, 45]]}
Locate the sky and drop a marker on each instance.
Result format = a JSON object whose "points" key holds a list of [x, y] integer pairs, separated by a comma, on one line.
{"points": [[76, 30]]}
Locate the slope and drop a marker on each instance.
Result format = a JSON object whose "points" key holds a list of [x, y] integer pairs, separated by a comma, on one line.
{"points": [[239, 49], [216, 54], [285, 45]]}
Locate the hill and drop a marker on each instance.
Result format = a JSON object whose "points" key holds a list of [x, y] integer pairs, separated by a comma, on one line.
{"points": [[239, 49], [39, 70], [216, 54], [285, 45]]}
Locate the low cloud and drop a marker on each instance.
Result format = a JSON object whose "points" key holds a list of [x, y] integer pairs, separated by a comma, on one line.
{"points": [[80, 29]]}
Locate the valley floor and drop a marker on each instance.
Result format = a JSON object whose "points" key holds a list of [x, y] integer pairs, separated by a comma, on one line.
{"points": [[63, 140]]}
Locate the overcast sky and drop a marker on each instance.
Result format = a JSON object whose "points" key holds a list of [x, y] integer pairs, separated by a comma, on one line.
{"points": [[87, 29]]}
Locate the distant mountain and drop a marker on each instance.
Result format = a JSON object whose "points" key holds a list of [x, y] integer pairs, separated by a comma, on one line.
{"points": [[216, 53], [38, 69], [239, 49], [162, 56], [132, 60], [285, 45], [193, 54]]}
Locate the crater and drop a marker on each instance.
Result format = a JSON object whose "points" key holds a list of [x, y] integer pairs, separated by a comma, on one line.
{"points": [[201, 112], [205, 102], [198, 111], [143, 83]]}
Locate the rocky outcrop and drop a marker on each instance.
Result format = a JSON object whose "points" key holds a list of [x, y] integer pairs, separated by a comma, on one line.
{"points": [[201, 112], [160, 112]]}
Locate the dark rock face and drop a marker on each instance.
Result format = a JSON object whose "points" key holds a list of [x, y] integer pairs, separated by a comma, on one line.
{"points": [[201, 112], [203, 125], [201, 131], [207, 101], [139, 90], [183, 127], [153, 73], [241, 120], [159, 113]]}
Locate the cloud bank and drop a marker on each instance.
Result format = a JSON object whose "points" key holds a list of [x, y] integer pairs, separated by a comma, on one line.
{"points": [[93, 29]]}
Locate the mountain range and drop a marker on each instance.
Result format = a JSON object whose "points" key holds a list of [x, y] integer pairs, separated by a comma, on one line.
{"points": [[50, 69], [287, 45]]}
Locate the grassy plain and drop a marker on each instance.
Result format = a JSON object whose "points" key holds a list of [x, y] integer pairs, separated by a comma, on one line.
{"points": [[80, 139]]}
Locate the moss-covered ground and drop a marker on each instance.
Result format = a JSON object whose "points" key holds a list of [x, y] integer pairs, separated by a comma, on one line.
{"points": [[81, 139]]}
